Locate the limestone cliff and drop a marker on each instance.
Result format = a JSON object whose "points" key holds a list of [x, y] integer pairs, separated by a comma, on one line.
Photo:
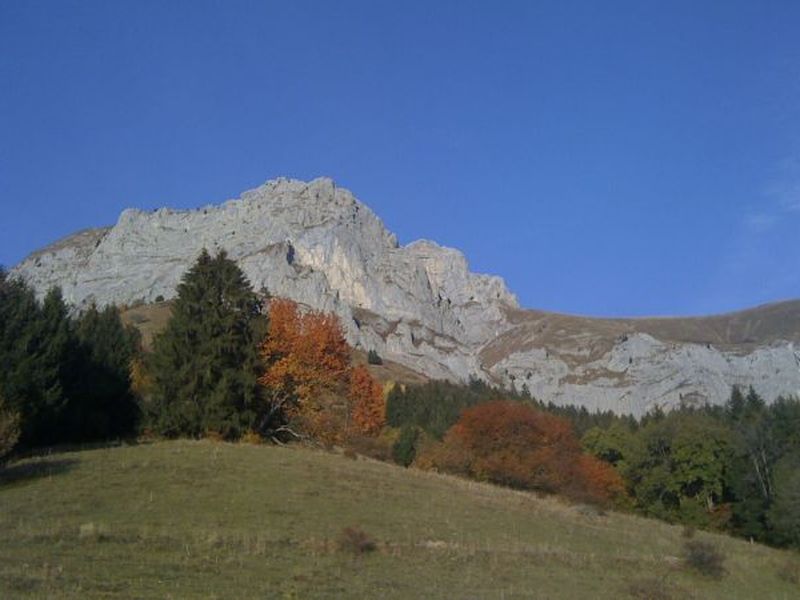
{"points": [[417, 304]]}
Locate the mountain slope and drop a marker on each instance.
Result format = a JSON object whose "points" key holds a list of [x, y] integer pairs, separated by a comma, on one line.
{"points": [[419, 305], [265, 522]]}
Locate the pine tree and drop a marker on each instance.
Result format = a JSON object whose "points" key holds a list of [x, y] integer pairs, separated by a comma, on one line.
{"points": [[66, 380], [101, 402], [205, 365], [374, 358], [35, 349]]}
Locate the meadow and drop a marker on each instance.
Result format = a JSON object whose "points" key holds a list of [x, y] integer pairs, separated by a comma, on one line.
{"points": [[203, 519]]}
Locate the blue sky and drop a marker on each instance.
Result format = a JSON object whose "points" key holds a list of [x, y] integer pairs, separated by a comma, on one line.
{"points": [[605, 158]]}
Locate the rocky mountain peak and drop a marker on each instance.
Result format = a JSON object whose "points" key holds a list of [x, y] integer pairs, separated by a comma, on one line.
{"points": [[419, 304]]}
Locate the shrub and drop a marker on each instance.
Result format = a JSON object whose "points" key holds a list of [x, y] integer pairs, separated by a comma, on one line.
{"points": [[356, 541], [518, 446], [597, 482], [374, 358], [705, 558]]}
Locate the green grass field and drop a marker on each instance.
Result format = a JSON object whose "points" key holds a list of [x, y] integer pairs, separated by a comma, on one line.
{"points": [[213, 520]]}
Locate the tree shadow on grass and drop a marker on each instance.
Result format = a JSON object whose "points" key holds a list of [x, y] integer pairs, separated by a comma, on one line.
{"points": [[36, 469], [46, 451]]}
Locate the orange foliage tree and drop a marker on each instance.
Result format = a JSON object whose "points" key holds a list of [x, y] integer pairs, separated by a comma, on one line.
{"points": [[368, 407], [514, 444], [311, 388], [599, 480], [306, 360]]}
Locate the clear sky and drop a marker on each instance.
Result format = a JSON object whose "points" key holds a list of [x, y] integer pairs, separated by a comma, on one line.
{"points": [[605, 158]]}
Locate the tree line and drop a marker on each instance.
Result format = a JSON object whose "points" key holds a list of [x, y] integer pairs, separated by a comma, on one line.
{"points": [[228, 366], [732, 468], [223, 367], [63, 379]]}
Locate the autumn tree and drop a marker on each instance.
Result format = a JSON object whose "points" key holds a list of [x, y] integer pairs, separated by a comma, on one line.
{"points": [[514, 444], [598, 481], [307, 361], [204, 365], [367, 405]]}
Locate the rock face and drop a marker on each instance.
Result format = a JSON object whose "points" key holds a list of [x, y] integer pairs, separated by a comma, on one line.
{"points": [[420, 305]]}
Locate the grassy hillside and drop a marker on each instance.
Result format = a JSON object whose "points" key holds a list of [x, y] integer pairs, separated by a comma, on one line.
{"points": [[206, 520]]}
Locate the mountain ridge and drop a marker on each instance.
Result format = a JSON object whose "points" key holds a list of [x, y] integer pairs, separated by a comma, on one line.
{"points": [[421, 306]]}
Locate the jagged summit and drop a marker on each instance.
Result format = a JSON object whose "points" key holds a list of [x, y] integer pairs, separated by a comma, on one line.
{"points": [[313, 242], [419, 304]]}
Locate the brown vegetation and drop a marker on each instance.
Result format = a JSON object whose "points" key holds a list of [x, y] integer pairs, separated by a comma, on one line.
{"points": [[308, 374], [9, 430], [513, 444]]}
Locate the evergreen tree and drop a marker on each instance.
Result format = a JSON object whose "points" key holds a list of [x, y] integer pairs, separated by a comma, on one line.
{"points": [[101, 402], [404, 450], [374, 358], [205, 365], [36, 347]]}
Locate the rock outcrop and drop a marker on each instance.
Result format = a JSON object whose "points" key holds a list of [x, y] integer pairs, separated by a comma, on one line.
{"points": [[417, 304]]}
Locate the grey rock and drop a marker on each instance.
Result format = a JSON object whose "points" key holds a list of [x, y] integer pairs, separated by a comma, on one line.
{"points": [[416, 304]]}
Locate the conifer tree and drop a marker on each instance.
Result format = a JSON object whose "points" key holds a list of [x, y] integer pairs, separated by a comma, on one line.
{"points": [[35, 347], [101, 403], [65, 380], [205, 365]]}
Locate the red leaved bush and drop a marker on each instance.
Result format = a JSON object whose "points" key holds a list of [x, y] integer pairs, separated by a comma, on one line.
{"points": [[600, 480], [514, 444]]}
